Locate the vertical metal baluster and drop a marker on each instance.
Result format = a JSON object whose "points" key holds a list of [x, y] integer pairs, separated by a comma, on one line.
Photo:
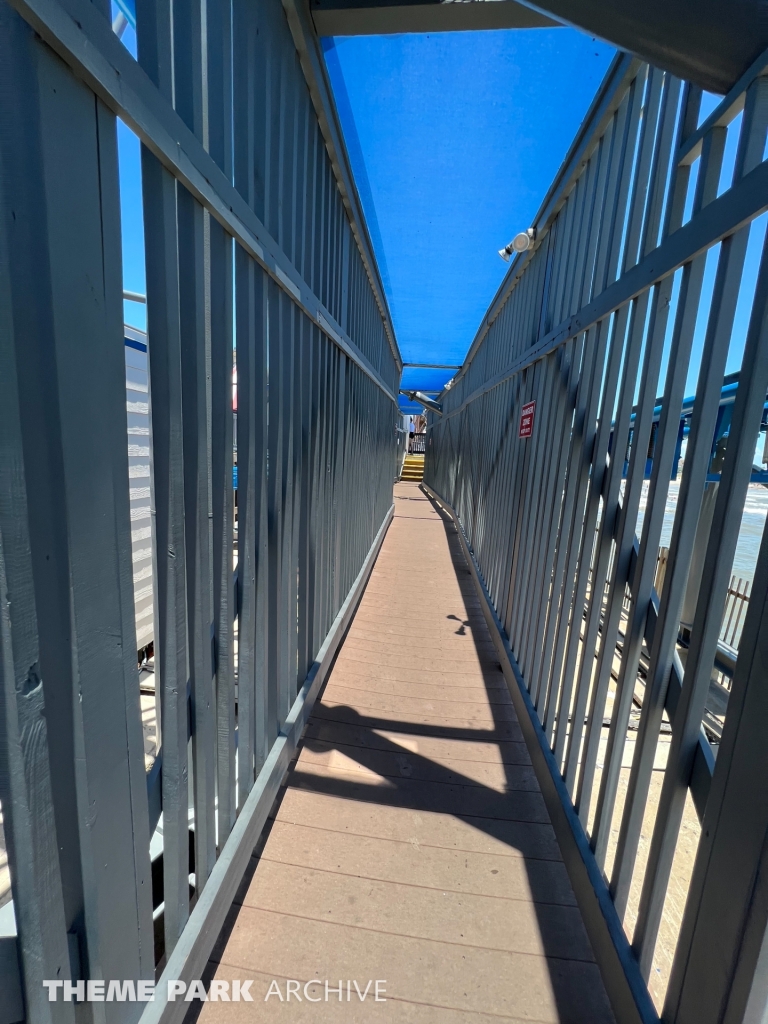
{"points": [[194, 254], [338, 478], [247, 323], [305, 652], [296, 678], [219, 104], [642, 181], [315, 455], [273, 55], [286, 610], [252, 556], [565, 230], [617, 188], [324, 530], [276, 448], [165, 401]]}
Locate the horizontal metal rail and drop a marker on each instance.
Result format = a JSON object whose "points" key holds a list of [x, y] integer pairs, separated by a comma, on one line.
{"points": [[433, 366], [548, 438]]}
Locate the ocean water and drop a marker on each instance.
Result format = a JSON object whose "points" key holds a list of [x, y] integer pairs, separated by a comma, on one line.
{"points": [[750, 535]]}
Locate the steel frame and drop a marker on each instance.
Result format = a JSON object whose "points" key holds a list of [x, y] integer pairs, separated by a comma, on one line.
{"points": [[584, 325]]}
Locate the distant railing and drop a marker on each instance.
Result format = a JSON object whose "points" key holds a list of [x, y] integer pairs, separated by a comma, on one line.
{"points": [[590, 325], [736, 601], [417, 444], [736, 605]]}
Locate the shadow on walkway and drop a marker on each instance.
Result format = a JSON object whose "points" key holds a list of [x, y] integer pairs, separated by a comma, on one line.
{"points": [[477, 776]]}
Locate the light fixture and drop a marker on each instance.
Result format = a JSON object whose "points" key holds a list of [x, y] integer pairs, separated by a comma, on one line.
{"points": [[520, 243]]}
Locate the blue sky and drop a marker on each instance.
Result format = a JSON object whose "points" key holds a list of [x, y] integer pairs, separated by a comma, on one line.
{"points": [[129, 156]]}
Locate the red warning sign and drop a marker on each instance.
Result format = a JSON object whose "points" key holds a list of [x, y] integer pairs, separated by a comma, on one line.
{"points": [[526, 419]]}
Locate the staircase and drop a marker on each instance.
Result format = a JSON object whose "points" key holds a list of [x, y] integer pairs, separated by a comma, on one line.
{"points": [[413, 468]]}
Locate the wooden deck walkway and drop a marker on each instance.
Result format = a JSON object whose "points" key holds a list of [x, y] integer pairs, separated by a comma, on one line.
{"points": [[411, 843]]}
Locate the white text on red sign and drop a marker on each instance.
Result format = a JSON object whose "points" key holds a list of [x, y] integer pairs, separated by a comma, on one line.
{"points": [[526, 419]]}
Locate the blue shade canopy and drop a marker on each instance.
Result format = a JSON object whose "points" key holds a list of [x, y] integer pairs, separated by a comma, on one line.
{"points": [[454, 139]]}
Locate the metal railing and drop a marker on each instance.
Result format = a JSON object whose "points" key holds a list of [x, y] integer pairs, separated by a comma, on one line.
{"points": [[608, 311], [736, 604], [417, 444], [256, 251]]}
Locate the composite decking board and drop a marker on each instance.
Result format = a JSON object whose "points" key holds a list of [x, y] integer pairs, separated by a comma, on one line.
{"points": [[411, 842], [429, 746], [486, 874]]}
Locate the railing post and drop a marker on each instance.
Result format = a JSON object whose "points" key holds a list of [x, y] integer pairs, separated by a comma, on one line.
{"points": [[159, 192], [218, 20], [25, 778]]}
